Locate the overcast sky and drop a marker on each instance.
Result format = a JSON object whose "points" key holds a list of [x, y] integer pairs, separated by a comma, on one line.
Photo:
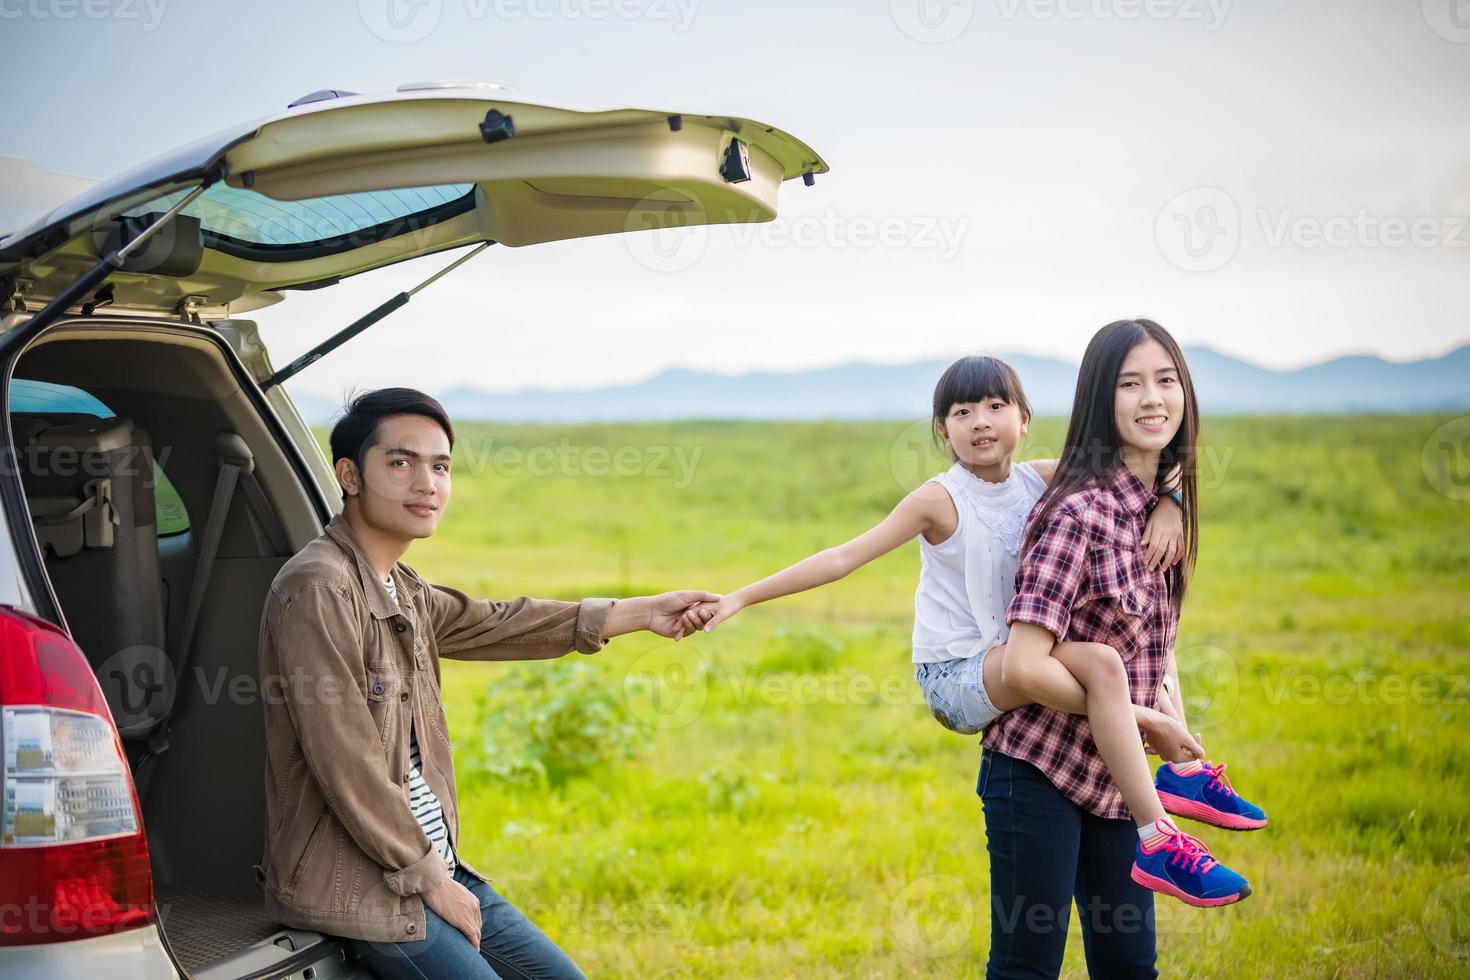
{"points": [[1284, 180]]}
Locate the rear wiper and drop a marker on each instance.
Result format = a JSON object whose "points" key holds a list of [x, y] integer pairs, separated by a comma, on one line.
{"points": [[93, 277], [362, 323]]}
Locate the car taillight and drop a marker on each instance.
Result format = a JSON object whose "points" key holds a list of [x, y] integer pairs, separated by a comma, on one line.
{"points": [[73, 857]]}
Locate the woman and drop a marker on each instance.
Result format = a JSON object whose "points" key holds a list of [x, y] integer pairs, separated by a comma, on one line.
{"points": [[1056, 825]]}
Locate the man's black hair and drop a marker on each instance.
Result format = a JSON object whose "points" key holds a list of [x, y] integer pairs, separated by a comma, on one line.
{"points": [[356, 429]]}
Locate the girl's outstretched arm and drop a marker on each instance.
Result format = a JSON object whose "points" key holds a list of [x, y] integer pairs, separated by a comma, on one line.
{"points": [[927, 510]]}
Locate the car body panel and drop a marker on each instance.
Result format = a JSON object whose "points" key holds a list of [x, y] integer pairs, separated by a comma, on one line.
{"points": [[564, 174], [137, 954]]}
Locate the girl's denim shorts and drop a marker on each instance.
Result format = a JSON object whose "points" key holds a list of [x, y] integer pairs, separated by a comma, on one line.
{"points": [[955, 693]]}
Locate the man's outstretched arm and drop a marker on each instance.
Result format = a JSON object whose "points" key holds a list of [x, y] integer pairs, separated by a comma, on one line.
{"points": [[662, 614], [541, 629]]}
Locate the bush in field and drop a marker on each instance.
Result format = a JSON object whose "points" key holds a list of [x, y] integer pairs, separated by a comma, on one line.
{"points": [[728, 792], [544, 724]]}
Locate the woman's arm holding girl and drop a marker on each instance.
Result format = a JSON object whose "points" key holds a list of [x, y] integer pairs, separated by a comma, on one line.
{"points": [[1163, 537]]}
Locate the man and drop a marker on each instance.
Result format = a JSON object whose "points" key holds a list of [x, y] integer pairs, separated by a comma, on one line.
{"points": [[362, 827]]}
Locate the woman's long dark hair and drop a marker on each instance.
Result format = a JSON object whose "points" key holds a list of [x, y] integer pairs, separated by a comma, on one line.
{"points": [[1093, 448]]}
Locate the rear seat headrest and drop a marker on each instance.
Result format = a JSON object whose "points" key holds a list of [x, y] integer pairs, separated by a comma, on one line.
{"points": [[230, 447]]}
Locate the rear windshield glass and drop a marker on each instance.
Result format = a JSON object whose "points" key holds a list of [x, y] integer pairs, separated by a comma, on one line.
{"points": [[44, 397], [241, 221]]}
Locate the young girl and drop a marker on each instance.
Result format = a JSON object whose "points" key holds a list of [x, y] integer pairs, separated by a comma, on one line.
{"points": [[970, 520]]}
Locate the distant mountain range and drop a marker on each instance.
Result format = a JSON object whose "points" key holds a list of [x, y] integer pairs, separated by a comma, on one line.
{"points": [[1226, 385]]}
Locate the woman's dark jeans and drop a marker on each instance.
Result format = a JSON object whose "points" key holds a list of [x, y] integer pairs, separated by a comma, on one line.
{"points": [[1045, 851]]}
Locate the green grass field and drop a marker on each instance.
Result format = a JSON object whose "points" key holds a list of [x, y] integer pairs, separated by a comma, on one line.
{"points": [[773, 800]]}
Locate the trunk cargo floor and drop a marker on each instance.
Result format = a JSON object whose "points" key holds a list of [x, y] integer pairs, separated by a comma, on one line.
{"points": [[206, 922]]}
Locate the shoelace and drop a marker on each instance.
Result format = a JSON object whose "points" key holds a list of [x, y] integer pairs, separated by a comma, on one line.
{"points": [[1218, 778], [1189, 852]]}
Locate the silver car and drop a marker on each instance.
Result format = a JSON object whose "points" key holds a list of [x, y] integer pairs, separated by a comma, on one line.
{"points": [[157, 475]]}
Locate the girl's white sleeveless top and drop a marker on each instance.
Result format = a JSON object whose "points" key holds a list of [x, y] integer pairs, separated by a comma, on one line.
{"points": [[967, 581]]}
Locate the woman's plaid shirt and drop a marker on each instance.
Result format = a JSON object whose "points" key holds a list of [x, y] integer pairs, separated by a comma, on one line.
{"points": [[1086, 579]]}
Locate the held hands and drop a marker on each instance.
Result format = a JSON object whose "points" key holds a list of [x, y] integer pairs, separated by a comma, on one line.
{"points": [[664, 614], [668, 612], [1163, 538], [707, 615]]}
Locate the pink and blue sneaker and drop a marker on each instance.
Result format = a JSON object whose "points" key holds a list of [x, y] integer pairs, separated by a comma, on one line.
{"points": [[1174, 863], [1207, 796]]}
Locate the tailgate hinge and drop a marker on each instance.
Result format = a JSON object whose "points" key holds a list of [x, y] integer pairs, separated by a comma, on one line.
{"points": [[188, 309], [12, 294], [102, 297]]}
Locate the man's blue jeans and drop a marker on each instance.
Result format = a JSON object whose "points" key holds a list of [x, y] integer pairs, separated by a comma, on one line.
{"points": [[511, 947]]}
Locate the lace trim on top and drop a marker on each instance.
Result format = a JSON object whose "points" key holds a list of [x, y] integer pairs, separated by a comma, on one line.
{"points": [[1001, 507]]}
